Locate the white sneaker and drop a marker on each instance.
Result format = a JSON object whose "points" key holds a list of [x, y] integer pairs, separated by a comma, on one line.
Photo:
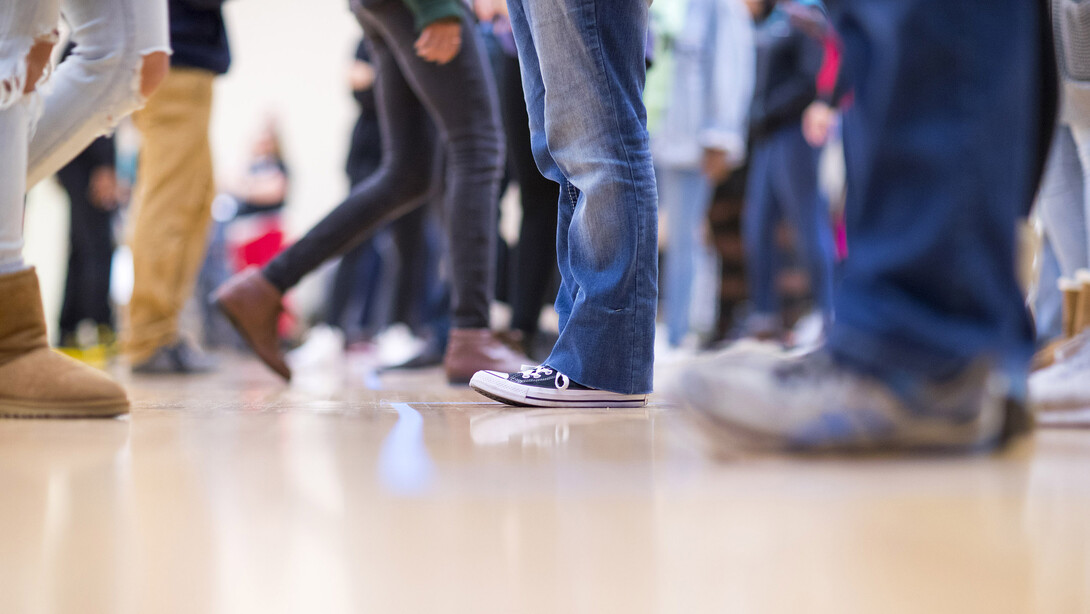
{"points": [[546, 387], [1066, 384]]}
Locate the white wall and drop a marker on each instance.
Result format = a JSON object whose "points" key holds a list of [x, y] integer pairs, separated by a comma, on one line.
{"points": [[290, 58]]}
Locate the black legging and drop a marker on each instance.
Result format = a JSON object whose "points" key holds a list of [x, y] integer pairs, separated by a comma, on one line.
{"points": [[90, 244], [459, 97], [535, 268]]}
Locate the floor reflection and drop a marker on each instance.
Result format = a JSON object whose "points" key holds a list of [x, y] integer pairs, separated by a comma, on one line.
{"points": [[404, 466], [238, 495]]}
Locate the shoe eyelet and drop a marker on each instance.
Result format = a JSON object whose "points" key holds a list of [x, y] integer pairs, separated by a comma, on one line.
{"points": [[561, 381]]}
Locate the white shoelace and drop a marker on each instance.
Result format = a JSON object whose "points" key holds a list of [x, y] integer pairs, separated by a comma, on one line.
{"points": [[536, 372], [561, 382]]}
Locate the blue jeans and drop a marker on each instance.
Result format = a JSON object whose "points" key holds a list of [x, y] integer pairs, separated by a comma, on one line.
{"points": [[685, 194], [942, 151], [783, 185], [1062, 205], [589, 135], [1049, 303]]}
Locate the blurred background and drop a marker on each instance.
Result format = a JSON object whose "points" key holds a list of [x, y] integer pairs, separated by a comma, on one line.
{"points": [[303, 85]]}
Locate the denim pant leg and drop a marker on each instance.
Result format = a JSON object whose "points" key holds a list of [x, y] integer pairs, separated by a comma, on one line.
{"points": [[795, 178], [1081, 137], [759, 219], [21, 23], [685, 195], [94, 87], [1049, 304], [941, 152], [1061, 203], [589, 134]]}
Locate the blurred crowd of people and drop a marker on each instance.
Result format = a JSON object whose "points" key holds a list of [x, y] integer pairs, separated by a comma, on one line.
{"points": [[762, 238]]}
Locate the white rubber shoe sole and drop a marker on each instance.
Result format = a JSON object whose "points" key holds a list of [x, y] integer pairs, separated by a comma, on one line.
{"points": [[495, 385]]}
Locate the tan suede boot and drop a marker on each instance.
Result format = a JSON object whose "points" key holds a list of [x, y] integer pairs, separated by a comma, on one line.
{"points": [[1072, 295], [35, 381], [1082, 309], [479, 349]]}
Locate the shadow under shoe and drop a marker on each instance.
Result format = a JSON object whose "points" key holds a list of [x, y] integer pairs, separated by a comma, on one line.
{"points": [[253, 306], [35, 381], [479, 349]]}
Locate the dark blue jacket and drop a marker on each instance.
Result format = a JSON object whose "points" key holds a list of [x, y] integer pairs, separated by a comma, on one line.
{"points": [[788, 61], [198, 35]]}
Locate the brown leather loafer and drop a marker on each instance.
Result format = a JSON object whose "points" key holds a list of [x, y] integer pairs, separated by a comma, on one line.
{"points": [[253, 305]]}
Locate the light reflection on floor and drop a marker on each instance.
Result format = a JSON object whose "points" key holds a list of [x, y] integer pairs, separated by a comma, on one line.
{"points": [[230, 493]]}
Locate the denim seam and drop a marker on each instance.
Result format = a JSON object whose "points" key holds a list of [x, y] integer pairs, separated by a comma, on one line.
{"points": [[632, 193]]}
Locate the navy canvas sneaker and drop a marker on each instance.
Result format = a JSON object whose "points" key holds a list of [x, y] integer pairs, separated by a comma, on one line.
{"points": [[546, 387]]}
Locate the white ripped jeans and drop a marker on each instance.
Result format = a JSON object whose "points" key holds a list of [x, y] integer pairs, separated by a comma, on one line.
{"points": [[93, 89]]}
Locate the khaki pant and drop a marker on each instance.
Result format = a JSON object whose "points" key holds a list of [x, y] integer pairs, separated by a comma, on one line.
{"points": [[174, 192]]}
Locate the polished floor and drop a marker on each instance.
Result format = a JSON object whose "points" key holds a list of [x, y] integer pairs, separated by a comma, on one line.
{"points": [[231, 493]]}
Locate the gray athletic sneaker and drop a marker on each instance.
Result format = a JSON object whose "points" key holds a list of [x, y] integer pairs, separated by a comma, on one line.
{"points": [[813, 403]]}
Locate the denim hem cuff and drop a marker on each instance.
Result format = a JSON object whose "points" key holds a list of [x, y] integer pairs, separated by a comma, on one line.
{"points": [[587, 379]]}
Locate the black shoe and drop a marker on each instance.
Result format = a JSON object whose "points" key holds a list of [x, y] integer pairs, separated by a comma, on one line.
{"points": [[546, 387], [180, 358]]}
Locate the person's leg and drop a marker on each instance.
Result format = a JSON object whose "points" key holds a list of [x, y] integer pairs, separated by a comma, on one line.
{"points": [[34, 380], [1061, 202], [686, 194], [121, 57], [393, 190], [28, 31], [930, 284], [760, 214], [458, 97], [1081, 140], [72, 307], [1049, 301], [805, 208], [15, 122], [252, 299], [415, 278], [589, 134], [99, 262], [931, 341], [536, 252], [346, 284], [173, 203]]}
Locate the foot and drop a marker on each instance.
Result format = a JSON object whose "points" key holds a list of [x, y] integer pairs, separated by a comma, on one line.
{"points": [[181, 358], [470, 350], [47, 384], [430, 356], [546, 387], [35, 381], [1063, 386], [813, 403], [253, 306]]}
